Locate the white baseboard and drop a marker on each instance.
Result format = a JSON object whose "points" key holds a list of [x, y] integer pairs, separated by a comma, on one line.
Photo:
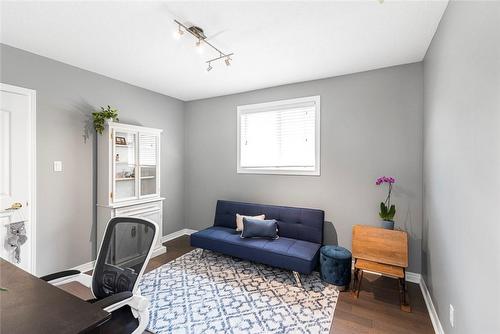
{"points": [[159, 251], [413, 277], [171, 236], [430, 308], [85, 267]]}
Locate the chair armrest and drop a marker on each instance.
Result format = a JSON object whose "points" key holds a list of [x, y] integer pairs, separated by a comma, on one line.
{"points": [[61, 274], [113, 299]]}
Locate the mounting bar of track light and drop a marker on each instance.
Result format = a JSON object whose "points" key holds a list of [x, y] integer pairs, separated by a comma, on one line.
{"points": [[202, 38], [220, 57]]}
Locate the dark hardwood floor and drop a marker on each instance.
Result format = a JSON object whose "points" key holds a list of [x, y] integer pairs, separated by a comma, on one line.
{"points": [[376, 310], [175, 249]]}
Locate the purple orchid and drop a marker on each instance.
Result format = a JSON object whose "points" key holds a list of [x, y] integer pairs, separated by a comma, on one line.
{"points": [[387, 211], [385, 179]]}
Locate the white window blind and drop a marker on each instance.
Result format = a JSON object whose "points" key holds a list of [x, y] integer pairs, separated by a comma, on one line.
{"points": [[147, 150], [280, 137]]}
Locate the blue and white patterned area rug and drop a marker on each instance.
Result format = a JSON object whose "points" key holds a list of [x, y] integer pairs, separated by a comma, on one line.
{"points": [[222, 294]]}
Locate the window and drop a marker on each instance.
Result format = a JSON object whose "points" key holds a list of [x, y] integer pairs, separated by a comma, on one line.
{"points": [[281, 137]]}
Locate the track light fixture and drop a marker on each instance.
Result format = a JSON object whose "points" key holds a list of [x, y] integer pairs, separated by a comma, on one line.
{"points": [[198, 33]]}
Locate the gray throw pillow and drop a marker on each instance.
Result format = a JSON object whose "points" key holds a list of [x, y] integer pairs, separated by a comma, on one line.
{"points": [[255, 228]]}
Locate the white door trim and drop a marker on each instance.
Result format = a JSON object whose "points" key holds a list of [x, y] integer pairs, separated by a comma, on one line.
{"points": [[31, 94]]}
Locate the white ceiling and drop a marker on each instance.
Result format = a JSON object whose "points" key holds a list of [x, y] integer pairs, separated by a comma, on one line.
{"points": [[274, 42]]}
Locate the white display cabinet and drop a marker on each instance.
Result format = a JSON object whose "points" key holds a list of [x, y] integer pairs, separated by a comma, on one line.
{"points": [[128, 177]]}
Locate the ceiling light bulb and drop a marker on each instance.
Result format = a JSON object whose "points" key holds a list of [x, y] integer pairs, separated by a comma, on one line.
{"points": [[209, 67], [178, 33], [228, 61], [199, 46]]}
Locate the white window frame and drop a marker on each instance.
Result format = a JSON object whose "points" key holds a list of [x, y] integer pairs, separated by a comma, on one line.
{"points": [[269, 106]]}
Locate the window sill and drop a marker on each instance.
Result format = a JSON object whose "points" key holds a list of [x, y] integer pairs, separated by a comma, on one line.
{"points": [[291, 172]]}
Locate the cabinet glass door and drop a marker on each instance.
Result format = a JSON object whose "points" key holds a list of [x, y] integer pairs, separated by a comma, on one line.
{"points": [[124, 161], [148, 164]]}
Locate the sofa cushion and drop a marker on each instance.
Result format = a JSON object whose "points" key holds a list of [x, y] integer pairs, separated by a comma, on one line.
{"points": [[257, 228], [286, 253], [239, 220]]}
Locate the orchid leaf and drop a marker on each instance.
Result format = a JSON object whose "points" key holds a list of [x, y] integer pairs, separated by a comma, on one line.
{"points": [[392, 212]]}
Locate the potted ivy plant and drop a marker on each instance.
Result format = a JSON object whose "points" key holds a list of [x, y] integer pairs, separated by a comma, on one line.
{"points": [[387, 210], [100, 117]]}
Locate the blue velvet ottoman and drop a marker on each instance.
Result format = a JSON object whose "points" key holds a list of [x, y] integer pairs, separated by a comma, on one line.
{"points": [[336, 265]]}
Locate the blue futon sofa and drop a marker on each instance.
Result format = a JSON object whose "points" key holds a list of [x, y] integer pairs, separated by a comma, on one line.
{"points": [[297, 249]]}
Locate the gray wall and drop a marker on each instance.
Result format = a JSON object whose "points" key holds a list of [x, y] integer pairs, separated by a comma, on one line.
{"points": [[66, 96], [371, 125], [461, 244]]}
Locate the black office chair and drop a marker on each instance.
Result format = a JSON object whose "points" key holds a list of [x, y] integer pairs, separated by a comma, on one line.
{"points": [[124, 254]]}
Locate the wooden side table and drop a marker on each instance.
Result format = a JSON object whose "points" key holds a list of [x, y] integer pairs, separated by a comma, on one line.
{"points": [[381, 251]]}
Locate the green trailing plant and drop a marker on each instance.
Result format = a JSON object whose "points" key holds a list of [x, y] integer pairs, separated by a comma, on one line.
{"points": [[387, 210], [100, 118]]}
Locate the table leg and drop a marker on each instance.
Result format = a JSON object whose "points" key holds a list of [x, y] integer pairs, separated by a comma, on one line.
{"points": [[359, 283], [354, 282], [405, 305]]}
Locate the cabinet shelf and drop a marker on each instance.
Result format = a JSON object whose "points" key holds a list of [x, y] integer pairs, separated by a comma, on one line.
{"points": [[124, 178]]}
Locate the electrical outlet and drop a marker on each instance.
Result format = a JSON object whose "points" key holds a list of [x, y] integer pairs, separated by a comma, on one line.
{"points": [[452, 316]]}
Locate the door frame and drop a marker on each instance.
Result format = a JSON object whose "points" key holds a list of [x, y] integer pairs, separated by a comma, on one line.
{"points": [[31, 94]]}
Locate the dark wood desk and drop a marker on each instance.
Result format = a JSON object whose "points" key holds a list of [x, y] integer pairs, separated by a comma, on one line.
{"points": [[32, 305]]}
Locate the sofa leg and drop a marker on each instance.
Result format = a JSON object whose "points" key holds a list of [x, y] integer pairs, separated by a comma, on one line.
{"points": [[297, 279], [202, 254]]}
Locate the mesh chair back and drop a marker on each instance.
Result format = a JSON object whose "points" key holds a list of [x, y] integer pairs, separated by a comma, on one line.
{"points": [[123, 256]]}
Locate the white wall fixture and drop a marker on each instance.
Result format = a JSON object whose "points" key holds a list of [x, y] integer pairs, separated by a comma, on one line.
{"points": [[198, 33], [58, 166], [128, 176]]}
